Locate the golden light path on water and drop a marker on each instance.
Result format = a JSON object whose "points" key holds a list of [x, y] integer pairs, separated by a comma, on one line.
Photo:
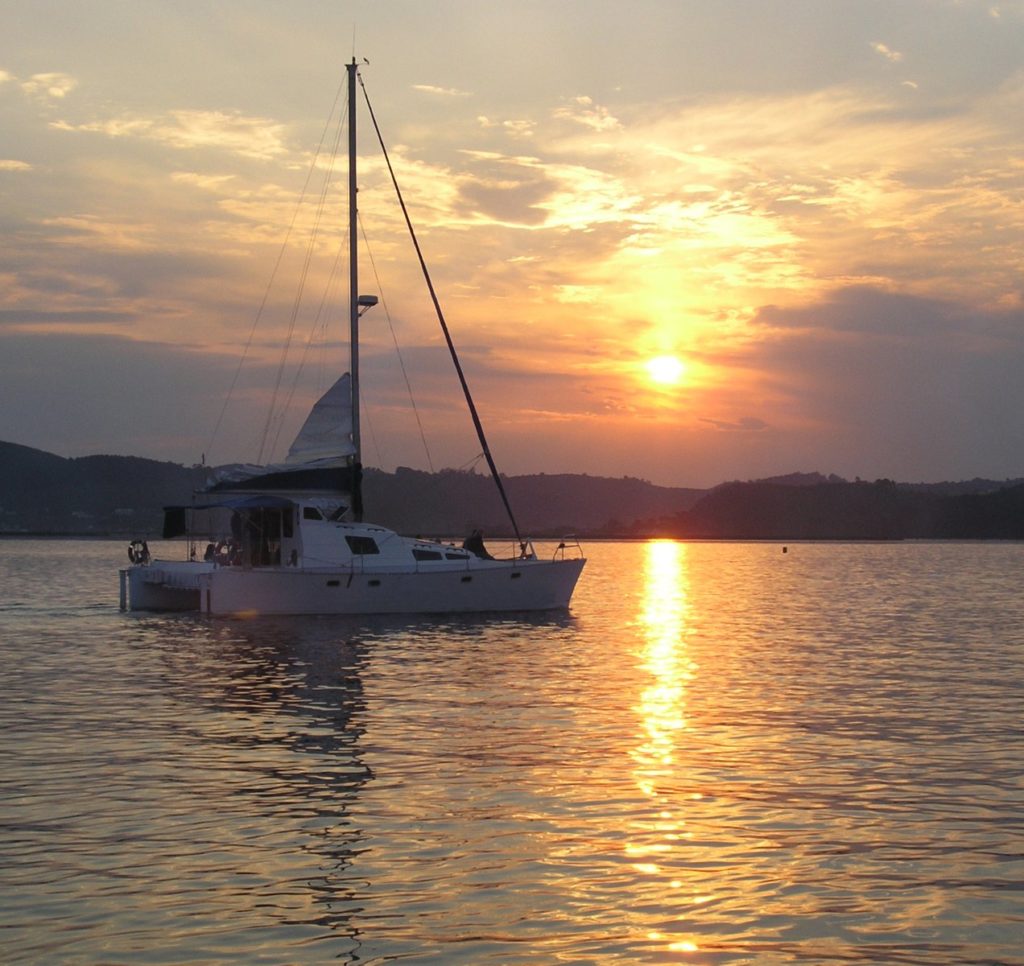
{"points": [[662, 714]]}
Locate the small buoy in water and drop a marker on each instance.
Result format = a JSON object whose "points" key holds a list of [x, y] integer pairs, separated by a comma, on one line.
{"points": [[785, 549]]}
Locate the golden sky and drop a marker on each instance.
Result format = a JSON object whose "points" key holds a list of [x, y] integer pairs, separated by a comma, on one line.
{"points": [[811, 210]]}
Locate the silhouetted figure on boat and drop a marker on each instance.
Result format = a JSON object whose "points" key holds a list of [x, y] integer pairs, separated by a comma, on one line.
{"points": [[474, 543]]}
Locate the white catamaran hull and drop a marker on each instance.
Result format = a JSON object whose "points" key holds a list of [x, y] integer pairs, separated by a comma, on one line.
{"points": [[496, 586], [532, 585]]}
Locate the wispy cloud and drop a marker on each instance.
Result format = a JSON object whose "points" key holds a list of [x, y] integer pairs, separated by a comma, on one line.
{"points": [[582, 110], [250, 137], [209, 182], [96, 232], [440, 91], [745, 424], [515, 127], [11, 165], [884, 50], [53, 86]]}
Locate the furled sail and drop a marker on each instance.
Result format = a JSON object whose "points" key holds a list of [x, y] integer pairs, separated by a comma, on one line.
{"points": [[326, 435], [318, 458]]}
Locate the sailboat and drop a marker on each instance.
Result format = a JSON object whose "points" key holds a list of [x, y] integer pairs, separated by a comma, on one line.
{"points": [[290, 538]]}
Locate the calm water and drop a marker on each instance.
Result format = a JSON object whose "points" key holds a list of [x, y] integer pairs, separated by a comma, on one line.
{"points": [[726, 754]]}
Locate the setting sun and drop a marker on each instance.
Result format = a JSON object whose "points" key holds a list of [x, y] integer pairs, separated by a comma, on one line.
{"points": [[667, 370]]}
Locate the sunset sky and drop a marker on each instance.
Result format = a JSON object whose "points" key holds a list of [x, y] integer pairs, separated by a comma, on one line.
{"points": [[811, 211]]}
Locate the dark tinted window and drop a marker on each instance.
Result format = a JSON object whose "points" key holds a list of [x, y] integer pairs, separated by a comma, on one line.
{"points": [[362, 545]]}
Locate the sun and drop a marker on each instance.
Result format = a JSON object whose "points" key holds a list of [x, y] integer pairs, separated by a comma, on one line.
{"points": [[666, 370]]}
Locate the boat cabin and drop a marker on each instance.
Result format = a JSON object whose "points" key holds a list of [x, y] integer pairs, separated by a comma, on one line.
{"points": [[263, 530]]}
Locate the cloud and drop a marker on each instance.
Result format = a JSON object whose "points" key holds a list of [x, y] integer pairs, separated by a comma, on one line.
{"points": [[235, 133], [10, 165], [862, 309], [440, 91], [29, 319], [903, 387], [583, 111], [208, 182], [156, 400], [745, 424], [95, 232], [508, 201], [514, 127], [54, 86], [893, 56]]}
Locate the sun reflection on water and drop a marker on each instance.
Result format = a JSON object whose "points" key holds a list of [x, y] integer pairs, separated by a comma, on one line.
{"points": [[664, 617], [662, 706]]}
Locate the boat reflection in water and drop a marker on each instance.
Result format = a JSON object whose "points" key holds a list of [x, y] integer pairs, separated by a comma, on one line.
{"points": [[276, 709]]}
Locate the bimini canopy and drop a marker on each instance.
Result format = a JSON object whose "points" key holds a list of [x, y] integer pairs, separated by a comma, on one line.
{"points": [[176, 517]]}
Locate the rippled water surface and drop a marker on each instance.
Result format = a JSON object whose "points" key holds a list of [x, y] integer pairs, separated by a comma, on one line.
{"points": [[724, 754]]}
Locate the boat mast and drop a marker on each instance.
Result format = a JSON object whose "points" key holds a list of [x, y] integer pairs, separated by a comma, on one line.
{"points": [[353, 298]]}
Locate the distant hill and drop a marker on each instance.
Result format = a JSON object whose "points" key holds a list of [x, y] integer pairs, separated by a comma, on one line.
{"points": [[451, 501], [43, 493], [882, 510]]}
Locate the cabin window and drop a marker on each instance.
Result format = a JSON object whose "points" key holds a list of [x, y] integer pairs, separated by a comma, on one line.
{"points": [[420, 554], [336, 516], [361, 546], [311, 513], [457, 556], [286, 524]]}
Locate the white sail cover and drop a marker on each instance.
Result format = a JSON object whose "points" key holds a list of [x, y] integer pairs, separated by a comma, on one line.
{"points": [[326, 435]]}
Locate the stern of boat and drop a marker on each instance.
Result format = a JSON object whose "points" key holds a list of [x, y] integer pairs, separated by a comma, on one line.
{"points": [[162, 585]]}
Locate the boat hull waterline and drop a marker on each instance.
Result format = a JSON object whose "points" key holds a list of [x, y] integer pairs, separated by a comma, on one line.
{"points": [[486, 586]]}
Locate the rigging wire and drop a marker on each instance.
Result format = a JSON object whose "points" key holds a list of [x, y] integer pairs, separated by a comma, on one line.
{"points": [[444, 327], [300, 292], [273, 274], [394, 339], [368, 423], [317, 336]]}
